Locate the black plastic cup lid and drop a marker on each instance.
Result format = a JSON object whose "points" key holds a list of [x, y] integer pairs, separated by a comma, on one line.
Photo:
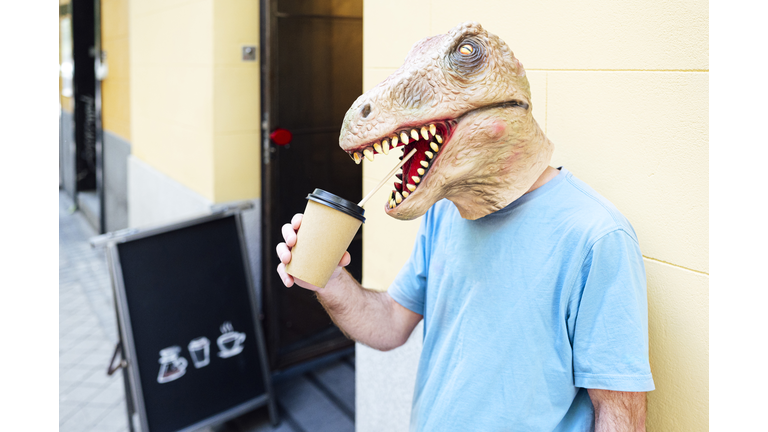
{"points": [[336, 202]]}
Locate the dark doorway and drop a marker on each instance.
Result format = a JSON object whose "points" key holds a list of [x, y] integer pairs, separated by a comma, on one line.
{"points": [[80, 143], [312, 69]]}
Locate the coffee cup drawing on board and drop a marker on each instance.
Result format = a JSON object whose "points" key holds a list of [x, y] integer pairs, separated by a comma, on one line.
{"points": [[200, 351], [230, 342]]}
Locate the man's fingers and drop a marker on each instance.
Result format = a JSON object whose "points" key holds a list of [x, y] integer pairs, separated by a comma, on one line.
{"points": [[345, 259], [284, 249], [289, 235], [287, 279], [283, 253], [296, 221]]}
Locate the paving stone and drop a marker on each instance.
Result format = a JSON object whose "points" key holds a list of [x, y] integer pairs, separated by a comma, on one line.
{"points": [[69, 357], [115, 419], [74, 320], [87, 396], [66, 386], [81, 309], [67, 408], [85, 417], [69, 337], [68, 298], [70, 381], [81, 393], [100, 351], [113, 392], [82, 331], [99, 377], [87, 343], [76, 374]]}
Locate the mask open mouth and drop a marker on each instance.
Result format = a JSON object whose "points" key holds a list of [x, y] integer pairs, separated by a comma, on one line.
{"points": [[428, 140]]}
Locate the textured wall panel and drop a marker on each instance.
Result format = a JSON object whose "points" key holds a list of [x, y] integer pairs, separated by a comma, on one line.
{"points": [[390, 28], [641, 140], [678, 311], [592, 34]]}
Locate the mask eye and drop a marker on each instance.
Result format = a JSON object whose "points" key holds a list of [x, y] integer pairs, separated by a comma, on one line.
{"points": [[466, 49], [468, 56]]}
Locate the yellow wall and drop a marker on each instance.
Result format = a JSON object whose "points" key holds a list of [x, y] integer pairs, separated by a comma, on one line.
{"points": [[194, 104], [621, 88], [236, 102], [67, 103], [115, 89]]}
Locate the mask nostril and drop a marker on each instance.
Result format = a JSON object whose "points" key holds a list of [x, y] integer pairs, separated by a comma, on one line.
{"points": [[366, 110]]}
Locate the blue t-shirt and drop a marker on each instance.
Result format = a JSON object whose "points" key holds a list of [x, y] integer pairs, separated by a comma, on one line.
{"points": [[524, 309]]}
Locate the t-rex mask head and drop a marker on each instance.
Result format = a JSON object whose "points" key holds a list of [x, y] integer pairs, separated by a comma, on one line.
{"points": [[463, 101]]}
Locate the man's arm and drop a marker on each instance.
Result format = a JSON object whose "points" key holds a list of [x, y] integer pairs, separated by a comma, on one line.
{"points": [[369, 317], [617, 411]]}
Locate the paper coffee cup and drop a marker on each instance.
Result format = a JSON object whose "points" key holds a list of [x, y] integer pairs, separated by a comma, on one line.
{"points": [[328, 227]]}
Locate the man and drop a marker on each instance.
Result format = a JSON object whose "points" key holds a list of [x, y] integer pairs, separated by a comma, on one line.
{"points": [[530, 284]]}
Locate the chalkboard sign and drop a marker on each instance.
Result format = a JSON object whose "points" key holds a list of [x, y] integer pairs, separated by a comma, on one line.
{"points": [[190, 330]]}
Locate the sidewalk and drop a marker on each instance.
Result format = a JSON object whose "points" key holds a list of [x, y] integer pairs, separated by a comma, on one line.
{"points": [[88, 398], [322, 400]]}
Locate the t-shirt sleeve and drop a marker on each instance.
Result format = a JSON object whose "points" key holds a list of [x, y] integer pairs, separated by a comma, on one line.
{"points": [[410, 285], [610, 337]]}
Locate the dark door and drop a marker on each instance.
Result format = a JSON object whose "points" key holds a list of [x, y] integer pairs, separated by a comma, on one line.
{"points": [[312, 61], [81, 160]]}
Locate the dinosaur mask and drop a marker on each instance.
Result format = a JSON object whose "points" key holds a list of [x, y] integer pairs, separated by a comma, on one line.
{"points": [[463, 101]]}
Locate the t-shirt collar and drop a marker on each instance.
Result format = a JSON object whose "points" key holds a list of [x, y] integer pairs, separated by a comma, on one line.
{"points": [[543, 189]]}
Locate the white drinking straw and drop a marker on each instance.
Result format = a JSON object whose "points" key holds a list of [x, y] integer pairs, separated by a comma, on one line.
{"points": [[384, 180]]}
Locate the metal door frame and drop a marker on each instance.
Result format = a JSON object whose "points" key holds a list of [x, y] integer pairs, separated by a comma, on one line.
{"points": [[268, 105], [99, 139]]}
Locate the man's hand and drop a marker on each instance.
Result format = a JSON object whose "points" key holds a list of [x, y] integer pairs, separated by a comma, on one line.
{"points": [[284, 253], [617, 411]]}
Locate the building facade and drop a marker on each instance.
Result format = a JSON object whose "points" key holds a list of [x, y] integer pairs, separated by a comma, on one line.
{"points": [[621, 88]]}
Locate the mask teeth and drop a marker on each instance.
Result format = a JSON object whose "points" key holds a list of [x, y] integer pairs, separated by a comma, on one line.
{"points": [[398, 139]]}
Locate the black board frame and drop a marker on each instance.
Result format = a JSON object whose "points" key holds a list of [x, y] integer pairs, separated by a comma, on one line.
{"points": [[134, 393]]}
